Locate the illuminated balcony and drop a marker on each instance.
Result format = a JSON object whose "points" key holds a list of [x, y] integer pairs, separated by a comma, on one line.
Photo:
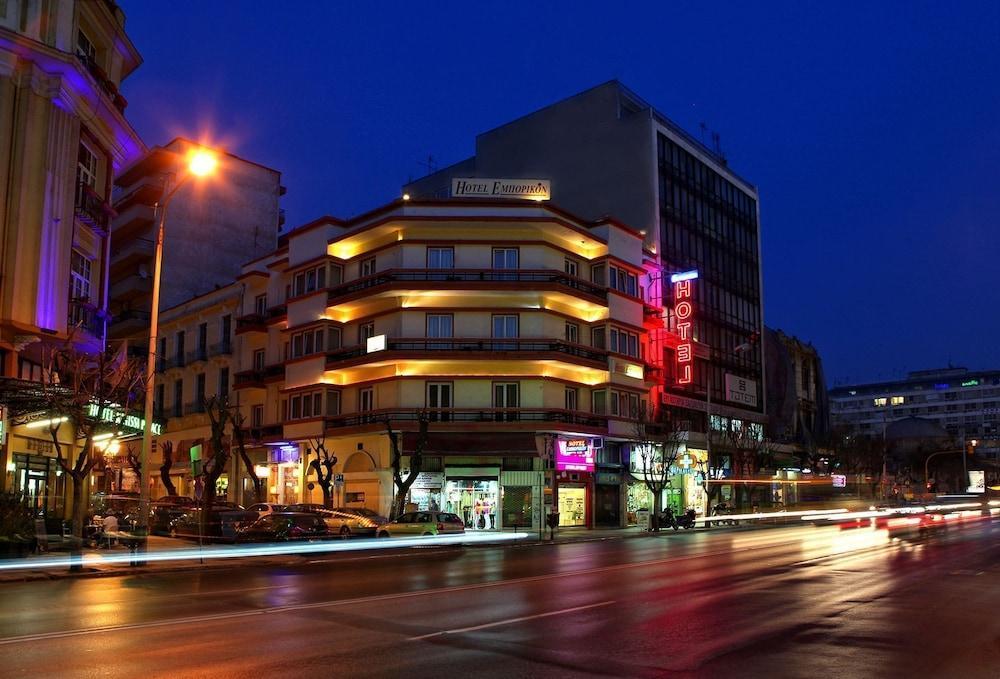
{"points": [[467, 279], [462, 419], [469, 348]]}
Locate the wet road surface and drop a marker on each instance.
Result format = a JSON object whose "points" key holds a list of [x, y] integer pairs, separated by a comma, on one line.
{"points": [[783, 602]]}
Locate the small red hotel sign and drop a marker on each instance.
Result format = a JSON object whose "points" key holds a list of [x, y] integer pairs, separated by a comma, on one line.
{"points": [[574, 455]]}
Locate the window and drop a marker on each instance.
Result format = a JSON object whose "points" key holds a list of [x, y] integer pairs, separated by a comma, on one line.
{"points": [[625, 404], [571, 267], [178, 398], [597, 338], [199, 393], [306, 405], [365, 330], [202, 340], [505, 395], [440, 325], [881, 401], [505, 326], [161, 355], [258, 359], [624, 342], [85, 47], [439, 395], [307, 342], [599, 402], [505, 258], [333, 402], [440, 258], [572, 398], [333, 339], [257, 416], [597, 274], [179, 348], [223, 381], [226, 332], [310, 280], [80, 276], [367, 267], [623, 281], [86, 169], [573, 333], [260, 304], [158, 396], [896, 400], [366, 403]]}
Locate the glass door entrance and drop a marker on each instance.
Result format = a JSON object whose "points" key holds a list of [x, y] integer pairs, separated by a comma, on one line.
{"points": [[475, 501]]}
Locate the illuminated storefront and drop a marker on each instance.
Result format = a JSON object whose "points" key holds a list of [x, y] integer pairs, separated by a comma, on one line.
{"points": [[574, 480], [476, 499]]}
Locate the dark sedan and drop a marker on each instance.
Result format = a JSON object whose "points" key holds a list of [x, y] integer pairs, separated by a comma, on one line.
{"points": [[281, 526], [221, 523]]}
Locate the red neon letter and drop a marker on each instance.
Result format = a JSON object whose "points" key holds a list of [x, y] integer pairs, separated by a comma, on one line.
{"points": [[683, 310], [683, 353], [683, 329], [682, 290], [685, 374]]}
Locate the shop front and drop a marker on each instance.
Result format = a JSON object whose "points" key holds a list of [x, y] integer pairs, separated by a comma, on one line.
{"points": [[426, 492], [473, 493], [575, 463]]}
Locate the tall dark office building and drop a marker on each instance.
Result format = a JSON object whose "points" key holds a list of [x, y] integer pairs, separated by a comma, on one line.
{"points": [[607, 152]]}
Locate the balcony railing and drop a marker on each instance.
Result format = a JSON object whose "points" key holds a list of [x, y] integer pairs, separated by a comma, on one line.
{"points": [[132, 315], [199, 354], [194, 407], [266, 431], [221, 349], [101, 76], [87, 317], [466, 346], [472, 276], [257, 378], [259, 322], [91, 208], [470, 415]]}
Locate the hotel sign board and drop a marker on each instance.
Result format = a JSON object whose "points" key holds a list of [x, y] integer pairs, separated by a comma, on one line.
{"points": [[741, 390], [479, 187], [575, 455]]}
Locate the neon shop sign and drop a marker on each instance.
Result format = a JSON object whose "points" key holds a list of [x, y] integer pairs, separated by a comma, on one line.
{"points": [[684, 311]]}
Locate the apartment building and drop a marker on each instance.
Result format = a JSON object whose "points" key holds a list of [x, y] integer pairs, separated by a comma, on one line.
{"points": [[197, 354], [964, 403], [63, 136], [238, 206]]}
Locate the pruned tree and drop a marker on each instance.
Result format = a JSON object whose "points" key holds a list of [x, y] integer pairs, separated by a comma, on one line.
{"points": [[167, 457], [134, 463], [89, 395], [416, 462], [323, 466], [219, 416], [238, 426], [655, 444], [750, 450]]}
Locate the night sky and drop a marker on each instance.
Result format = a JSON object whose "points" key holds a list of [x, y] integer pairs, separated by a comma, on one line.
{"points": [[872, 131]]}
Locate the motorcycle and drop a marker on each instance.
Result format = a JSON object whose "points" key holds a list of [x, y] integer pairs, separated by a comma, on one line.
{"points": [[685, 520]]}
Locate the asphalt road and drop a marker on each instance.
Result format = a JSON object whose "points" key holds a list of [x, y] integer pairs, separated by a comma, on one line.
{"points": [[789, 602]]}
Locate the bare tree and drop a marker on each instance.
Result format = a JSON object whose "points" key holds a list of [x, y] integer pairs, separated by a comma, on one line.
{"points": [[416, 462], [750, 451], [219, 415], [238, 426], [167, 453], [656, 443], [91, 395], [323, 466], [134, 463]]}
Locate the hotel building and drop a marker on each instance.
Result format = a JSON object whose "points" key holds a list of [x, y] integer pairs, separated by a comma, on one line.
{"points": [[63, 136]]}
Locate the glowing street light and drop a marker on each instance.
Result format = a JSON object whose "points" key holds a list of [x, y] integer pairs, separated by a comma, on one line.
{"points": [[201, 162]]}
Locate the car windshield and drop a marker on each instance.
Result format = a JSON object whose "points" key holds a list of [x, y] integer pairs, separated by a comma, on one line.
{"points": [[363, 511]]}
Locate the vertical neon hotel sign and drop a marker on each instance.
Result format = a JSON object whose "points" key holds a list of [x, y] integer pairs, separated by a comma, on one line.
{"points": [[684, 311]]}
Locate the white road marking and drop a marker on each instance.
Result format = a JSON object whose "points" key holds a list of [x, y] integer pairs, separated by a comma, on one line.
{"points": [[510, 621]]}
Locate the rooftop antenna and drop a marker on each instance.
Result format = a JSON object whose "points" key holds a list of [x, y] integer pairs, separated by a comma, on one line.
{"points": [[703, 127], [430, 165]]}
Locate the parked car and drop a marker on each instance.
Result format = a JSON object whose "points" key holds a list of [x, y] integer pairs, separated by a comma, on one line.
{"points": [[265, 508], [423, 523], [343, 522], [166, 509], [221, 523], [285, 526]]}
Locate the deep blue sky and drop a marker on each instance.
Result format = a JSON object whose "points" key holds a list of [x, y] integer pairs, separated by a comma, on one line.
{"points": [[873, 131]]}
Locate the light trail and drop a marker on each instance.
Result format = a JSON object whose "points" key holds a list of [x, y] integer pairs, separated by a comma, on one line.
{"points": [[271, 549]]}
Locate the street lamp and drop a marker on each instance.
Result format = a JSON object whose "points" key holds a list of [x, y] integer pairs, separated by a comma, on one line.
{"points": [[200, 162]]}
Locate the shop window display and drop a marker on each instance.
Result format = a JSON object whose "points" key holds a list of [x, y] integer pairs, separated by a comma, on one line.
{"points": [[475, 500]]}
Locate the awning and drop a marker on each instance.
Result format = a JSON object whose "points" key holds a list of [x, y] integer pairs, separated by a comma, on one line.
{"points": [[478, 443]]}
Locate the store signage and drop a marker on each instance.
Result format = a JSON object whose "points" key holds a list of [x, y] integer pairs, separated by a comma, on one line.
{"points": [[684, 311], [977, 481], [117, 416], [839, 480], [741, 390], [575, 455], [288, 454], [476, 187], [376, 343], [608, 479], [717, 408], [429, 480], [970, 383]]}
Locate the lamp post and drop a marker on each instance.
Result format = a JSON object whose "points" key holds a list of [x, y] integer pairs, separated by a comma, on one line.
{"points": [[200, 163], [927, 462]]}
